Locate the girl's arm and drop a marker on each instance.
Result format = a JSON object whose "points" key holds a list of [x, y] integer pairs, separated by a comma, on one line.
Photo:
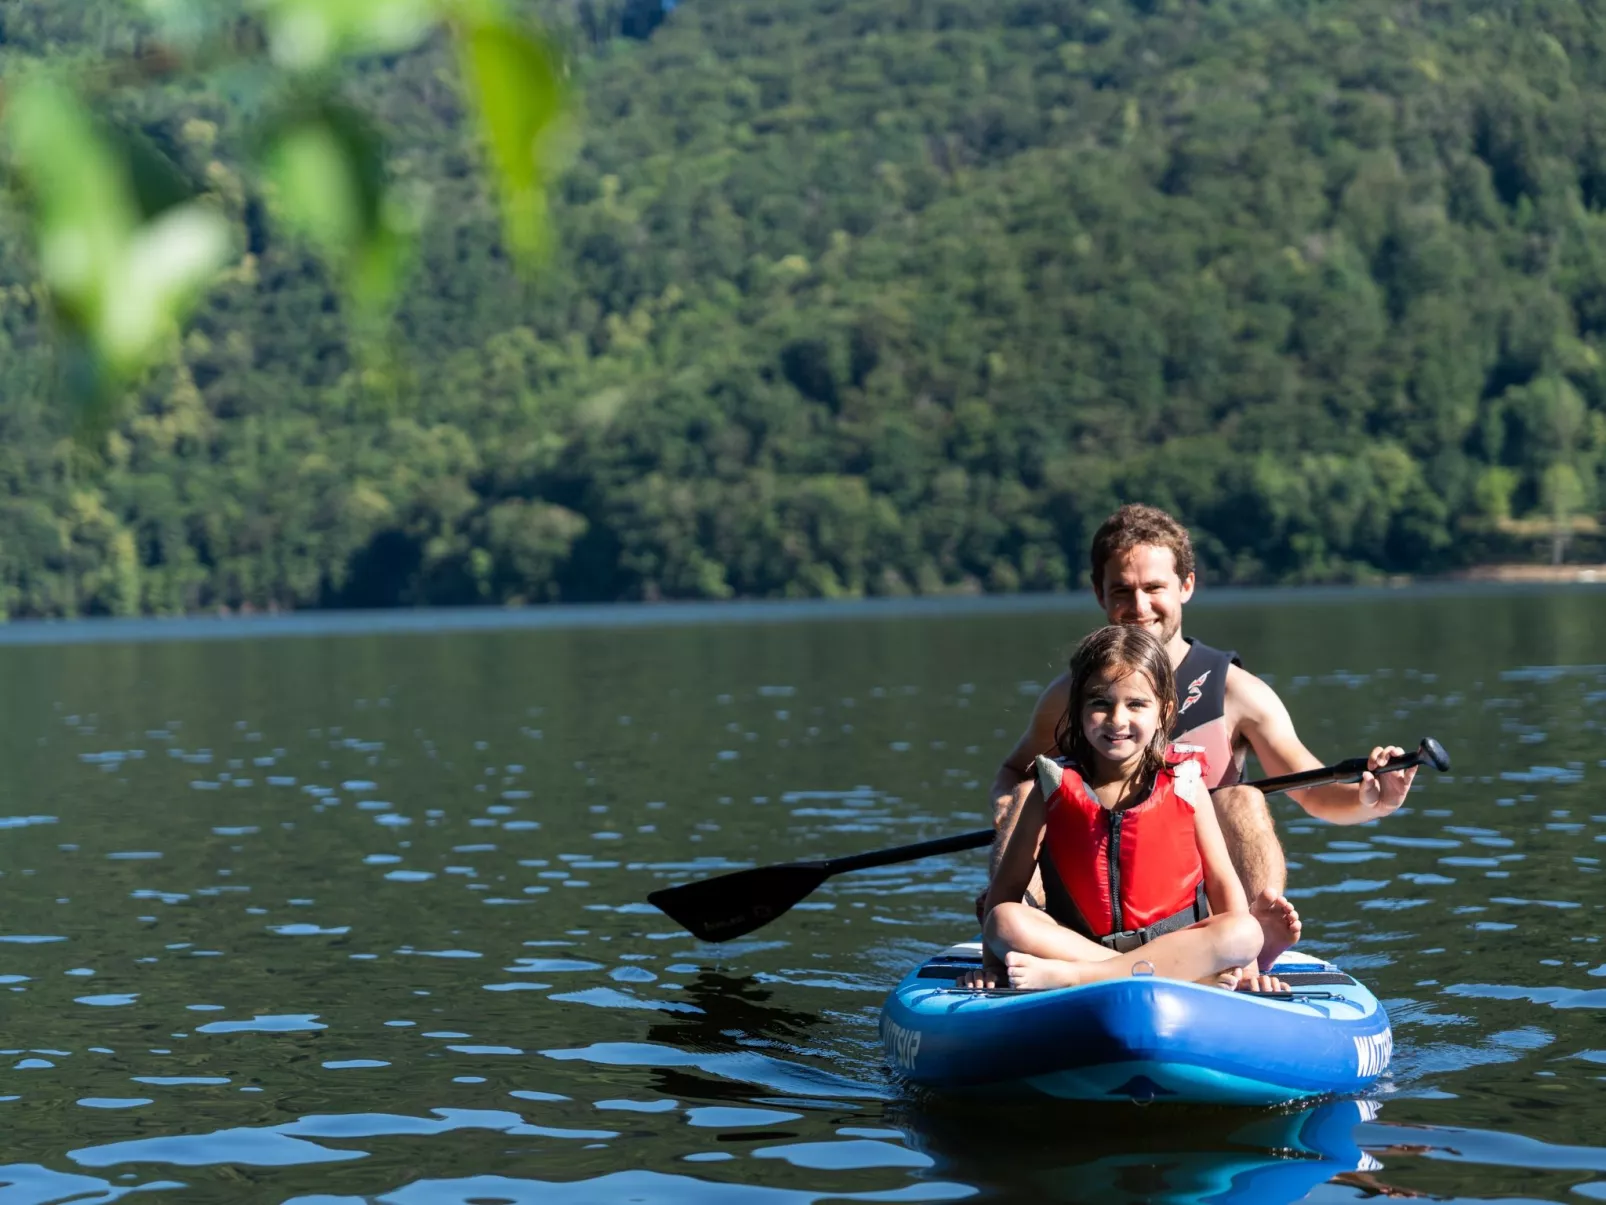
{"points": [[1019, 859], [1222, 888]]}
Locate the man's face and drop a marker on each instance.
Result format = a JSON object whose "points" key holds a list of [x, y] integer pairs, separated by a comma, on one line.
{"points": [[1141, 587]]}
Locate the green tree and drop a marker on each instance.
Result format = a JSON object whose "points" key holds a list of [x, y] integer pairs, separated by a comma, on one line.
{"points": [[1561, 493]]}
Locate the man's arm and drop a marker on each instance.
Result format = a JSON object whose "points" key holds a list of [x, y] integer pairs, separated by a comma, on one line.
{"points": [[1018, 859], [1265, 723], [1013, 781], [1222, 888]]}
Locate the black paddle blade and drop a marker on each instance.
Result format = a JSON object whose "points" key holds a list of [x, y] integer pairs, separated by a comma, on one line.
{"points": [[733, 905]]}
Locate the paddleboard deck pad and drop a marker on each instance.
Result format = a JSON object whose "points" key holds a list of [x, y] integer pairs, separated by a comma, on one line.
{"points": [[1140, 1038]]}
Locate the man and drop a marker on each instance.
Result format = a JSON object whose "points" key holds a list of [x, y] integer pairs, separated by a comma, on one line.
{"points": [[1143, 574]]}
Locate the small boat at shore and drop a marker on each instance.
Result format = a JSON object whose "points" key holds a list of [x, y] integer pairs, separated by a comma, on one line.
{"points": [[1142, 1038]]}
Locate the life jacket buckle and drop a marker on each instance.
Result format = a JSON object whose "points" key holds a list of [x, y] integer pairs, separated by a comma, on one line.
{"points": [[1129, 940]]}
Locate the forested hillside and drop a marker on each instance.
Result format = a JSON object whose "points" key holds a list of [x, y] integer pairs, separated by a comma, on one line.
{"points": [[877, 296]]}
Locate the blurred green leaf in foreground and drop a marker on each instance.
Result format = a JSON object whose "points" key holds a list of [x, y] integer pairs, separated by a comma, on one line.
{"points": [[517, 86], [126, 247], [122, 263], [326, 168]]}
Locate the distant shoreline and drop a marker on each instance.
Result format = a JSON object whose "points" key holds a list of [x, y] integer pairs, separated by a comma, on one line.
{"points": [[424, 621], [1519, 572]]}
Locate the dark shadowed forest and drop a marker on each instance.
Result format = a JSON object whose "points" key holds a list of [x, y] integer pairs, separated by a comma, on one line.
{"points": [[873, 297]]}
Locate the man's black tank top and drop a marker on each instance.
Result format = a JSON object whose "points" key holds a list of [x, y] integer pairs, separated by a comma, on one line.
{"points": [[1202, 712]]}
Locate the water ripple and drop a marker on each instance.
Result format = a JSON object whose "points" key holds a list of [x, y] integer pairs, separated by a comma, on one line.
{"points": [[744, 1067]]}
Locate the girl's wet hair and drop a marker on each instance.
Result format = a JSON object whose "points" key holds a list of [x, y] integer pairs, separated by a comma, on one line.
{"points": [[1112, 653]]}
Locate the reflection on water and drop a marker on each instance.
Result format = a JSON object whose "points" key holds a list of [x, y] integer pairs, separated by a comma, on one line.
{"points": [[1337, 1150], [360, 918], [1224, 1157]]}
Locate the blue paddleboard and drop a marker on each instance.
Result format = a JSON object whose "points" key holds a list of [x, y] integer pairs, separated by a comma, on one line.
{"points": [[1140, 1038]]}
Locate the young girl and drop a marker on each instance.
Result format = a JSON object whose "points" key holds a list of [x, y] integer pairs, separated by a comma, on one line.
{"points": [[1129, 839]]}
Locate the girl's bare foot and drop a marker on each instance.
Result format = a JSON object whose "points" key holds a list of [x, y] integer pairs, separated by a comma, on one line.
{"points": [[1228, 979], [1261, 983], [1027, 972], [985, 979], [1279, 924]]}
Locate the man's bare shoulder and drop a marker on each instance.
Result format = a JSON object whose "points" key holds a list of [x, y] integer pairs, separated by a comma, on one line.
{"points": [[1057, 691], [1250, 698], [1261, 720], [1041, 728], [1047, 711]]}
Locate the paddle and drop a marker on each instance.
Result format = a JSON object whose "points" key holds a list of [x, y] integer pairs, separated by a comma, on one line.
{"points": [[732, 905]]}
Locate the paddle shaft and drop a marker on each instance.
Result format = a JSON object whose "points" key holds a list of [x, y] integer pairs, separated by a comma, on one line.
{"points": [[910, 853], [730, 905], [1349, 770]]}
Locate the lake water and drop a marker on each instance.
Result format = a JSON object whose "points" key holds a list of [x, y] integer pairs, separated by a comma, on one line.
{"points": [[358, 916]]}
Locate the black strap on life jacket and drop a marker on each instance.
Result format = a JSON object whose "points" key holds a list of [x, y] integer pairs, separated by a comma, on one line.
{"points": [[1131, 939], [1058, 904]]}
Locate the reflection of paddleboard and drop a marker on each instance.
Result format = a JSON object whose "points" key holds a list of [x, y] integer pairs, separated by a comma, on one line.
{"points": [[1138, 1158], [1141, 1038], [1315, 1147]]}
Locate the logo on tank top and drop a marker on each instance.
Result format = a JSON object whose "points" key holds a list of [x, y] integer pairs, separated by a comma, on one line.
{"points": [[1195, 692]]}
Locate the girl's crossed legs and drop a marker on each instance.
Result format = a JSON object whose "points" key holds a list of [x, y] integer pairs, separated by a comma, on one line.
{"points": [[1039, 953]]}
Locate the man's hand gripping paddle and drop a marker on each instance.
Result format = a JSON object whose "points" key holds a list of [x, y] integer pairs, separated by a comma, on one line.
{"points": [[733, 905]]}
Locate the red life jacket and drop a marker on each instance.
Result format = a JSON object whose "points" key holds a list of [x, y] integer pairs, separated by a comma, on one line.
{"points": [[1120, 877]]}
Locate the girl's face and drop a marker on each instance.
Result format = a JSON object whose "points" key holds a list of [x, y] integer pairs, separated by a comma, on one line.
{"points": [[1120, 713]]}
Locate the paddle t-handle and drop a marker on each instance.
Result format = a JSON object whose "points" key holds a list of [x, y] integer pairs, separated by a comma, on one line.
{"points": [[732, 905], [1428, 753]]}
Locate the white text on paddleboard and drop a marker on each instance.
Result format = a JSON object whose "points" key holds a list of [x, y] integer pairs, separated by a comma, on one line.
{"points": [[1372, 1053], [902, 1044]]}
